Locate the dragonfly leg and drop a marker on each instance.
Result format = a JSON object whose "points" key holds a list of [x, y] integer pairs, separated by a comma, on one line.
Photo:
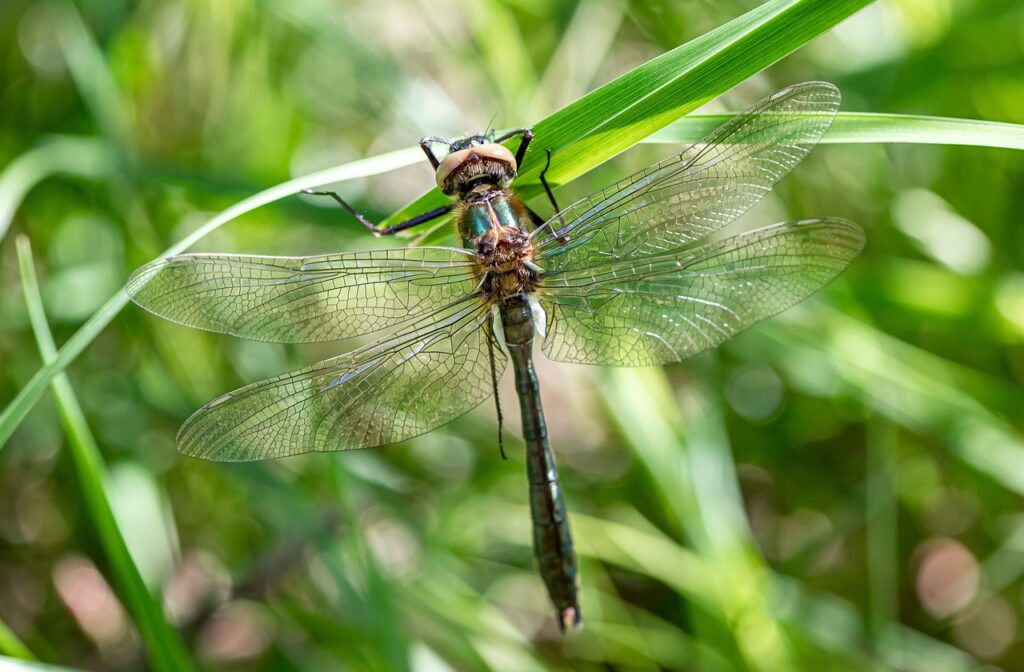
{"points": [[554, 204], [491, 344], [535, 219], [527, 137], [383, 230], [541, 223], [547, 187], [425, 144]]}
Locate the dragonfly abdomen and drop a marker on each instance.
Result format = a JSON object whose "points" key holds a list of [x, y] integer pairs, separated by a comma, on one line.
{"points": [[552, 540]]}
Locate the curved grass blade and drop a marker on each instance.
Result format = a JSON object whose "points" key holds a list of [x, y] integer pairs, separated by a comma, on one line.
{"points": [[10, 645], [864, 127], [17, 665], [621, 113], [33, 390], [62, 154], [167, 652]]}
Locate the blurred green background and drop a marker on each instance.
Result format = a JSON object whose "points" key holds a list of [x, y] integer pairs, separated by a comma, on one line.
{"points": [[839, 488]]}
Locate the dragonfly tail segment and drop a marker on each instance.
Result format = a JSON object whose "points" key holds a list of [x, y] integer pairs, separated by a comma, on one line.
{"points": [[552, 541]]}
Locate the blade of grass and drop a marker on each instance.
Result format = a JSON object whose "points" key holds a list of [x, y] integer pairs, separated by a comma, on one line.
{"points": [[16, 665], [910, 386], [93, 79], [693, 472], [33, 390], [167, 652], [831, 623], [881, 518], [621, 113], [862, 127], [835, 625], [10, 645], [82, 157]]}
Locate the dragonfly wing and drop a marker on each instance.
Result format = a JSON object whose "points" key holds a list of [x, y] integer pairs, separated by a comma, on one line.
{"points": [[697, 192], [389, 391], [303, 299], [664, 308]]}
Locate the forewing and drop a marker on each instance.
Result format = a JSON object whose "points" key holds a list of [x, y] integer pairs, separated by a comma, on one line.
{"points": [[660, 309], [303, 299], [697, 192], [389, 391]]}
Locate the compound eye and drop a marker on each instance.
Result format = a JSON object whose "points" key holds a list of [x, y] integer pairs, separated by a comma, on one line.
{"points": [[449, 164], [492, 151]]}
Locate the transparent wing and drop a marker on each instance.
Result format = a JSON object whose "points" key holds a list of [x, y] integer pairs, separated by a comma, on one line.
{"points": [[664, 308], [303, 299], [389, 391], [697, 192]]}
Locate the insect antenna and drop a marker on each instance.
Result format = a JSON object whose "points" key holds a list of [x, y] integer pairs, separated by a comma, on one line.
{"points": [[487, 133]]}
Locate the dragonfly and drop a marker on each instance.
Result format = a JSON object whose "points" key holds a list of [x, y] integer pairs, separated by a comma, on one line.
{"points": [[638, 274]]}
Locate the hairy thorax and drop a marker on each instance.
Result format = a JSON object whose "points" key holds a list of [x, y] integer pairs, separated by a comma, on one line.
{"points": [[506, 259]]}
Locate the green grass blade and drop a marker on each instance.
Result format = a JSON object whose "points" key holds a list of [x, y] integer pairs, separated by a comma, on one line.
{"points": [[167, 652], [933, 400], [82, 157], [862, 127], [10, 645], [693, 472], [16, 665], [626, 110], [93, 78], [33, 390], [882, 534]]}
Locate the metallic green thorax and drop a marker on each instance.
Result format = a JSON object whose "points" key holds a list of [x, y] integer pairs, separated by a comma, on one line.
{"points": [[482, 216]]}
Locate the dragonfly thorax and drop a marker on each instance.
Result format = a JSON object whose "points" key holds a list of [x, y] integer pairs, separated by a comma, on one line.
{"points": [[492, 221], [505, 255]]}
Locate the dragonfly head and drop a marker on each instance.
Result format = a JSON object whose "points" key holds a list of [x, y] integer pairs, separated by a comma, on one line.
{"points": [[473, 160]]}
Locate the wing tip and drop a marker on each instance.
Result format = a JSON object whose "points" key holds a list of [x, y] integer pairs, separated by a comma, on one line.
{"points": [[854, 232], [815, 84], [196, 448], [142, 276]]}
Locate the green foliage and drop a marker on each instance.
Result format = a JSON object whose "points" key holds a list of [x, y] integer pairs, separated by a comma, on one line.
{"points": [[17, 665], [858, 128], [166, 650], [11, 645], [802, 498]]}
